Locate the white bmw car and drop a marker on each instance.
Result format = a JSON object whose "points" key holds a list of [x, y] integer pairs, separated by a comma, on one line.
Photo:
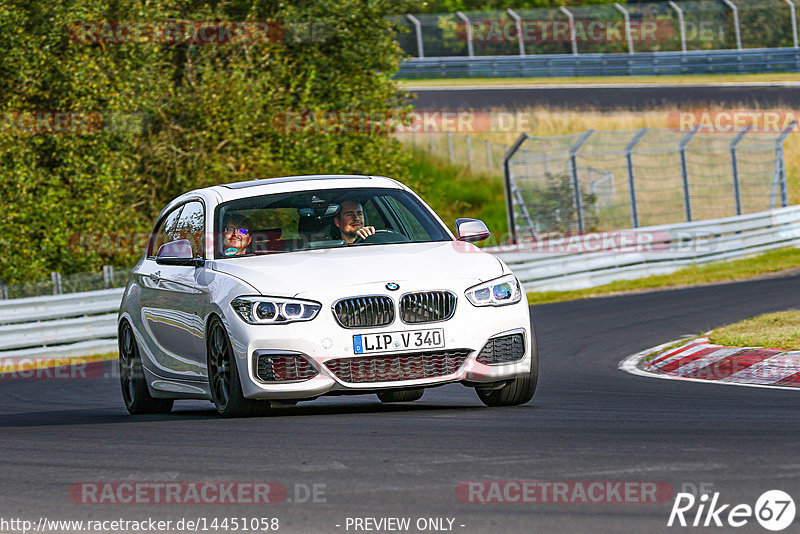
{"points": [[274, 291]]}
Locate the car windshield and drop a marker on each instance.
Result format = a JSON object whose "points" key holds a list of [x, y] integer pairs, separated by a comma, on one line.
{"points": [[326, 218]]}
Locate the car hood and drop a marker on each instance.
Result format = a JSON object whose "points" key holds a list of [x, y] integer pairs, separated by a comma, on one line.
{"points": [[292, 273]]}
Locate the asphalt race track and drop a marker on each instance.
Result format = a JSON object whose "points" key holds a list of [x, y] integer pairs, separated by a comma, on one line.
{"points": [[609, 96], [588, 422]]}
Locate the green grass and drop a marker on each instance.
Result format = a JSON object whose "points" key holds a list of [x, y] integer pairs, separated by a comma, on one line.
{"points": [[453, 192], [666, 79], [775, 261], [773, 330]]}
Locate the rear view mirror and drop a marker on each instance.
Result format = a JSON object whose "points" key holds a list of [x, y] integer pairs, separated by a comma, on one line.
{"points": [[472, 230], [177, 253]]}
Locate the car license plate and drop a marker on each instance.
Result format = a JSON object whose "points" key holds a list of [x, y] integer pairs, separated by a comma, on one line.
{"points": [[398, 341]]}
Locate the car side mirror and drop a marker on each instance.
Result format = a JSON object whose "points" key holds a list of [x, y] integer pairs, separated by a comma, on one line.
{"points": [[177, 253], [472, 230]]}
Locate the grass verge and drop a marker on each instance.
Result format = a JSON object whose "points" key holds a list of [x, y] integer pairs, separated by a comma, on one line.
{"points": [[686, 79], [775, 261], [772, 330]]}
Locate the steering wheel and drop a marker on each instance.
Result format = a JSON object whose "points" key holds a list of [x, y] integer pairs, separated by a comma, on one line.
{"points": [[382, 236]]}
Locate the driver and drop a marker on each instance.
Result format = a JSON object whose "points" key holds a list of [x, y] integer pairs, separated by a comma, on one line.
{"points": [[350, 221], [236, 235]]}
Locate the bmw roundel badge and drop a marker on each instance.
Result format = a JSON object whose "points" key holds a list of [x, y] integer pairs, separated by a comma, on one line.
{"points": [[391, 286]]}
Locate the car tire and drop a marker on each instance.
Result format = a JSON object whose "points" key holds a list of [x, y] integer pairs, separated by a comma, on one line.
{"points": [[223, 376], [516, 391], [403, 395], [131, 376]]}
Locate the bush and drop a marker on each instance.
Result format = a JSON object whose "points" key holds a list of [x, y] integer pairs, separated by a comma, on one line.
{"points": [[193, 115]]}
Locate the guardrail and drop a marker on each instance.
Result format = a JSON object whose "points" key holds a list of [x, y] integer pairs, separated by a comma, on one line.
{"points": [[81, 324], [752, 60], [74, 324], [589, 260]]}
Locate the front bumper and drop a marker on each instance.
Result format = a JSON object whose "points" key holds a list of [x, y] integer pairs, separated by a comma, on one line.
{"points": [[323, 339]]}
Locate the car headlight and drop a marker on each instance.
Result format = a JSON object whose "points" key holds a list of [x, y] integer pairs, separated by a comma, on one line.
{"points": [[498, 292], [274, 310]]}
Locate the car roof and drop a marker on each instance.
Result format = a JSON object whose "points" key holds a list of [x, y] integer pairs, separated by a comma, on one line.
{"points": [[281, 184]]}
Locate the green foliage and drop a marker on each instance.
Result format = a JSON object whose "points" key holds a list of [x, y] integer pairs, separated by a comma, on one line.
{"points": [[202, 114], [453, 192], [552, 205]]}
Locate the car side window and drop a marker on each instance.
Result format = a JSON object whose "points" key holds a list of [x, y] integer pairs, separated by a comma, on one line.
{"points": [[164, 231], [191, 225], [373, 216], [417, 231]]}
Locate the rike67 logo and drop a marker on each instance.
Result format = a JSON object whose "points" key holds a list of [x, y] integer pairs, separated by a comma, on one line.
{"points": [[774, 510]]}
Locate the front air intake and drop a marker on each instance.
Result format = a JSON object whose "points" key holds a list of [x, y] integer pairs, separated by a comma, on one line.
{"points": [[503, 349], [396, 367], [272, 367]]}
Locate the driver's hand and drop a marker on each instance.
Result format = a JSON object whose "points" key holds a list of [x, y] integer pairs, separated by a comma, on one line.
{"points": [[365, 232]]}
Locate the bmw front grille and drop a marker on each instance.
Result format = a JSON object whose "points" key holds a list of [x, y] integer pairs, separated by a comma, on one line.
{"points": [[427, 306], [364, 312]]}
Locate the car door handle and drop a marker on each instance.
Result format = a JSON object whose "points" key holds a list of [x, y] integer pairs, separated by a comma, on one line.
{"points": [[156, 276]]}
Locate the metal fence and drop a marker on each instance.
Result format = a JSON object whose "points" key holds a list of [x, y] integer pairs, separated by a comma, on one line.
{"points": [[608, 28], [478, 155], [58, 284], [593, 260], [761, 60], [610, 179]]}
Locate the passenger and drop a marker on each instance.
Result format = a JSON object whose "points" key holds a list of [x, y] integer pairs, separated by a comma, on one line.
{"points": [[236, 235], [350, 221]]}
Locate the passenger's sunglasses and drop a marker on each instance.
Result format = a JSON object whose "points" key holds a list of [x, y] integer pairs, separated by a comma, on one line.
{"points": [[234, 229]]}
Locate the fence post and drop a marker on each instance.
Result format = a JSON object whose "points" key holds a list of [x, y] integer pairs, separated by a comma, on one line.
{"points": [[685, 172], [794, 22], [681, 22], [55, 279], [735, 169], [573, 163], [469, 152], [518, 20], [489, 155], [782, 164], [573, 39], [450, 151], [736, 30], [512, 230], [627, 26], [463, 17], [3, 290], [631, 186], [418, 31], [108, 275]]}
